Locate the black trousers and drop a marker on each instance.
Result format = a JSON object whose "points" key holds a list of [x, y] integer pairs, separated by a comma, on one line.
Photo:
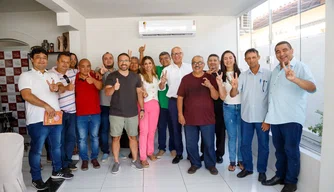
{"points": [[219, 129]]}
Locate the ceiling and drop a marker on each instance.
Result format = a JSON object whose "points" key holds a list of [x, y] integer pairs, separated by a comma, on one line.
{"points": [[145, 8], [139, 8], [21, 6]]}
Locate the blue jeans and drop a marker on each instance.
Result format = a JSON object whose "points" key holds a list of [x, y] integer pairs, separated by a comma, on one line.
{"points": [[88, 124], [247, 131], [176, 126], [104, 129], [68, 138], [232, 118], [38, 134], [286, 139], [164, 120], [208, 136]]}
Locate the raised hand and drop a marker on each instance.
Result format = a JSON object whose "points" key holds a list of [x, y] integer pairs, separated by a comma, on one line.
{"points": [[289, 73], [70, 86], [207, 83], [90, 79], [117, 85], [219, 78], [103, 69], [164, 77], [142, 49], [234, 81], [130, 53], [52, 86]]}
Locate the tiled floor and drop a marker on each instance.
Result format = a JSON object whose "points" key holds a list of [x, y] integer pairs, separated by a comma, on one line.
{"points": [[161, 176]]}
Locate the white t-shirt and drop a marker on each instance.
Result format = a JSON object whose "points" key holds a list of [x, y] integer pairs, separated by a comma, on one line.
{"points": [[174, 77], [151, 89], [36, 82], [230, 100]]}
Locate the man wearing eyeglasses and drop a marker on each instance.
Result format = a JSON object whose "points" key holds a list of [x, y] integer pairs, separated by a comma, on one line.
{"points": [[172, 76], [125, 89], [196, 113], [67, 105]]}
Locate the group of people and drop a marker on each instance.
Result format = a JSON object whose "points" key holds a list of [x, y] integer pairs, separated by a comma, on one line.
{"points": [[141, 97]]}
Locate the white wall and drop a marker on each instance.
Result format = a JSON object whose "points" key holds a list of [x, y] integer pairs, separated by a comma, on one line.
{"points": [[327, 155], [30, 27], [214, 35]]}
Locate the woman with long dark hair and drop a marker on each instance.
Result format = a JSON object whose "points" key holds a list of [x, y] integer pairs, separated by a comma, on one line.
{"points": [[232, 107], [148, 124]]}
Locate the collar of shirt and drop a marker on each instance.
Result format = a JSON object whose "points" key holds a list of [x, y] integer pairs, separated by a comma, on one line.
{"points": [[36, 71], [260, 71]]}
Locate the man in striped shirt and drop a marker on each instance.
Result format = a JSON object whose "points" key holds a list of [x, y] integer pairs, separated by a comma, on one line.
{"points": [[67, 105]]}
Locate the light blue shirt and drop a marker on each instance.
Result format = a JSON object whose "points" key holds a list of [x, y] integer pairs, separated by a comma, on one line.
{"points": [[253, 89], [287, 101]]}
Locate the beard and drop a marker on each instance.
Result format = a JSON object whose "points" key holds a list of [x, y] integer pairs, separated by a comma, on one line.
{"points": [[109, 66]]}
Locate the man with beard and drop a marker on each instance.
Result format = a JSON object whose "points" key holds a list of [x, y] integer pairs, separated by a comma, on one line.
{"points": [[105, 70], [125, 89], [172, 76]]}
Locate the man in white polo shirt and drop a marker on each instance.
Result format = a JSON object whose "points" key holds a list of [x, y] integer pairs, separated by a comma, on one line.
{"points": [[67, 105], [39, 89], [172, 76]]}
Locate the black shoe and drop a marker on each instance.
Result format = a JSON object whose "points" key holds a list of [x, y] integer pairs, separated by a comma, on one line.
{"points": [[262, 177], [273, 181], [289, 187], [219, 159], [61, 175], [39, 184], [213, 170], [192, 169], [130, 155], [202, 157], [67, 170], [72, 167], [244, 173], [177, 159]]}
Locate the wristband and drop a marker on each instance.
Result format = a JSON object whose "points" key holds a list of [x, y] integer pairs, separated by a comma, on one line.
{"points": [[142, 110]]}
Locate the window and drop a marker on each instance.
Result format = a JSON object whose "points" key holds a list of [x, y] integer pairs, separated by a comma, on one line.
{"points": [[302, 23]]}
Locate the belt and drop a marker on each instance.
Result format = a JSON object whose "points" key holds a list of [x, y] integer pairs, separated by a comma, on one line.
{"points": [[173, 98]]}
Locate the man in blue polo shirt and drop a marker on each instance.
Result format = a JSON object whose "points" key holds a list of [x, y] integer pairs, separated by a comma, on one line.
{"points": [[253, 88], [290, 83]]}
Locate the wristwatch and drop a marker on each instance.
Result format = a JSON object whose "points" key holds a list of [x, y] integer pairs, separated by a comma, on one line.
{"points": [[142, 110]]}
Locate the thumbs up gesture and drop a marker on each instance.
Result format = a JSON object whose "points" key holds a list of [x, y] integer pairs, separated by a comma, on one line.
{"points": [[90, 79], [103, 70], [70, 86], [117, 85], [142, 49], [52, 86]]}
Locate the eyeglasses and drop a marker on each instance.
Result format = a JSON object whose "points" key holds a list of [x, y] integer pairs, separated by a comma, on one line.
{"points": [[66, 78], [198, 63], [123, 61], [176, 54]]}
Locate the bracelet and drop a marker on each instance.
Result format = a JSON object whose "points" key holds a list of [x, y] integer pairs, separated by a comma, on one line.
{"points": [[142, 110]]}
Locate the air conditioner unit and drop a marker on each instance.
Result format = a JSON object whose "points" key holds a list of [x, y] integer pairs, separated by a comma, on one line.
{"points": [[167, 28]]}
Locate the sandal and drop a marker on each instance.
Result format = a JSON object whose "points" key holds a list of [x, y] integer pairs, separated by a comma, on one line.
{"points": [[231, 167], [145, 164], [240, 165], [153, 157]]}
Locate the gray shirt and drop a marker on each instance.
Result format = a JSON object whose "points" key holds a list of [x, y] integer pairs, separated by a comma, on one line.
{"points": [[124, 101], [104, 100]]}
